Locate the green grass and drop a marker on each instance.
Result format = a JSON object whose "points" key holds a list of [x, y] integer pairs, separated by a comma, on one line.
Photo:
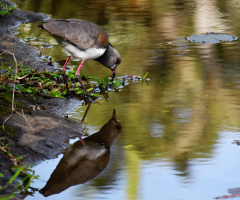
{"points": [[51, 84], [6, 10]]}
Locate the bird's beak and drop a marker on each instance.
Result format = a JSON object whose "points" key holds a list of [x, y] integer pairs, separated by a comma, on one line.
{"points": [[114, 115], [114, 73]]}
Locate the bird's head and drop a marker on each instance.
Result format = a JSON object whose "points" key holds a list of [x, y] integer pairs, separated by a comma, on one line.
{"points": [[111, 59], [116, 61]]}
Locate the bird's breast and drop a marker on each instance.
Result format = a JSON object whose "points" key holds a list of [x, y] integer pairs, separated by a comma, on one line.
{"points": [[88, 54]]}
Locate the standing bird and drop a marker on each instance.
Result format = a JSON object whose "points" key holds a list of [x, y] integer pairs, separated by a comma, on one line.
{"points": [[83, 40]]}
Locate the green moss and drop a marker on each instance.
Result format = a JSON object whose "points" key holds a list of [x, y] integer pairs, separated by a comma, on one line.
{"points": [[5, 102], [9, 129], [5, 9], [11, 132]]}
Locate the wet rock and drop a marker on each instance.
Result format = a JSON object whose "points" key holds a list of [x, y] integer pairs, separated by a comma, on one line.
{"points": [[35, 136], [3, 71], [7, 22], [25, 54], [236, 142], [41, 132]]}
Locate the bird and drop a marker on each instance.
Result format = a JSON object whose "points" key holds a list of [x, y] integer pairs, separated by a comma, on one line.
{"points": [[84, 40], [81, 163]]}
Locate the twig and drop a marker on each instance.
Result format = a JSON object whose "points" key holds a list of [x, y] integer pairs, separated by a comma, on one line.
{"points": [[13, 98], [14, 86], [85, 114], [23, 115], [6, 121], [6, 150]]}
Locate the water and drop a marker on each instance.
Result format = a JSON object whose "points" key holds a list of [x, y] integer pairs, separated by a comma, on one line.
{"points": [[179, 128]]}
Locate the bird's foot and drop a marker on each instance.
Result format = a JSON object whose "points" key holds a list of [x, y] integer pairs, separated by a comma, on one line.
{"points": [[66, 83], [89, 98], [68, 95], [80, 138]]}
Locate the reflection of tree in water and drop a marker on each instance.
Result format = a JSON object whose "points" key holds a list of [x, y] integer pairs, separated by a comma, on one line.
{"points": [[181, 163], [235, 192], [83, 162]]}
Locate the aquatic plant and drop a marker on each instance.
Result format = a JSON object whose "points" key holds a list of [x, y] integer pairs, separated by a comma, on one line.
{"points": [[5, 9], [143, 76], [22, 177], [50, 84]]}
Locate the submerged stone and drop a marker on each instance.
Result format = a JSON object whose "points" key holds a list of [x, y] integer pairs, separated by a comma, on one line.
{"points": [[212, 38]]}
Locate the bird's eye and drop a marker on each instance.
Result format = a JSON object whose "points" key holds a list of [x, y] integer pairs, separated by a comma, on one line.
{"points": [[118, 61]]}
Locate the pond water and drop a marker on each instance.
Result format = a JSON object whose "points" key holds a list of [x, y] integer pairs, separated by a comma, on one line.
{"points": [[177, 141]]}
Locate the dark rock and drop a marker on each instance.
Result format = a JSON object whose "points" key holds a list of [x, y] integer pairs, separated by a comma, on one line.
{"points": [[7, 22], [26, 54], [35, 136]]}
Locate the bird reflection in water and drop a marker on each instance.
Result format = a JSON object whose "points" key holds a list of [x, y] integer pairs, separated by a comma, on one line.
{"points": [[81, 163]]}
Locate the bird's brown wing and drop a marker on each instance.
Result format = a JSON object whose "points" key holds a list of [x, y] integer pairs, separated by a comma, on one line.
{"points": [[82, 34]]}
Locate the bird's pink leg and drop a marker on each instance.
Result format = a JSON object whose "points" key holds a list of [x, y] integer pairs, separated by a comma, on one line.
{"points": [[80, 138], [65, 65], [80, 80], [64, 74], [79, 68]]}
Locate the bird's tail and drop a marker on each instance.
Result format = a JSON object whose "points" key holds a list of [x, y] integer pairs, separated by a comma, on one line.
{"points": [[40, 26]]}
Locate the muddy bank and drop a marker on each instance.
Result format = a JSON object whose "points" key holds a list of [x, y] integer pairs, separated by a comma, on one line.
{"points": [[25, 54], [37, 134], [16, 18], [42, 131]]}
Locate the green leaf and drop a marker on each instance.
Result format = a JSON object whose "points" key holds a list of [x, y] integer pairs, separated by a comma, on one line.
{"points": [[47, 80], [106, 79], [96, 79], [19, 157], [87, 76], [117, 82], [27, 176], [96, 94], [48, 84], [5, 10], [55, 75], [28, 90], [15, 175], [79, 92], [90, 89], [145, 75], [19, 87], [72, 71], [141, 72], [56, 93], [70, 74]]}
